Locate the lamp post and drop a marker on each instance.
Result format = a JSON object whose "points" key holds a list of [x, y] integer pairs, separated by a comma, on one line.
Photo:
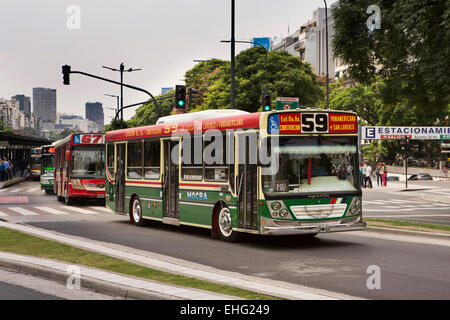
{"points": [[114, 96], [232, 55], [121, 70], [326, 48]]}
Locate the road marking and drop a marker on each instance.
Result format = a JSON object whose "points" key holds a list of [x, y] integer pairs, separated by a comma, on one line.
{"points": [[23, 211], [34, 189], [410, 216], [102, 209], [80, 210], [2, 214], [17, 190], [51, 210], [3, 190]]}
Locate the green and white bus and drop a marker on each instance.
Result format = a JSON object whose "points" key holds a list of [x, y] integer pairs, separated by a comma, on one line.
{"points": [[47, 168], [309, 185]]}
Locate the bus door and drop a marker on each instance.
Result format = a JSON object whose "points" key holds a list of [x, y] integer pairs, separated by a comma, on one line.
{"points": [[246, 182], [170, 185], [120, 177]]}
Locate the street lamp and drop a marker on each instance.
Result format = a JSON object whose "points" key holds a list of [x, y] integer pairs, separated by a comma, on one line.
{"points": [[121, 70], [326, 47], [114, 96]]}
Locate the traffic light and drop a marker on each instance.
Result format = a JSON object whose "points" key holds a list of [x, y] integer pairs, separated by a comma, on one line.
{"points": [[192, 94], [180, 97], [66, 74], [267, 101]]}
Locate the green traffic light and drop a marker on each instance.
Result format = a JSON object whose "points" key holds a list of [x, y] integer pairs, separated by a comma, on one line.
{"points": [[181, 103], [266, 108]]}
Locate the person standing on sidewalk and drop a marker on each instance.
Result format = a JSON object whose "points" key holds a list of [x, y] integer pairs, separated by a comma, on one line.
{"points": [[378, 174], [385, 174], [368, 170], [3, 170], [362, 171]]}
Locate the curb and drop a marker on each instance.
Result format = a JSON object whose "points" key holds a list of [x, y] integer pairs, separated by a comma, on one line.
{"points": [[13, 182], [409, 233], [113, 290]]}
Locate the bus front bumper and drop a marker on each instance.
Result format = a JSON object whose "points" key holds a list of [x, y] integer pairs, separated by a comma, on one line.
{"points": [[277, 227]]}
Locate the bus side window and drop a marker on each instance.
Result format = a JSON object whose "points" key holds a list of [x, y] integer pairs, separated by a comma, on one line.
{"points": [[191, 170], [134, 160], [152, 159], [216, 169], [110, 162]]}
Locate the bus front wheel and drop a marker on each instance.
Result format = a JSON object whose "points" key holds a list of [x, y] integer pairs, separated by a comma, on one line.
{"points": [[136, 212], [225, 226]]}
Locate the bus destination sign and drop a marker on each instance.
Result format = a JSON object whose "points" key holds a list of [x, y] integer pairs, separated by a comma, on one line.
{"points": [[89, 139], [312, 122]]}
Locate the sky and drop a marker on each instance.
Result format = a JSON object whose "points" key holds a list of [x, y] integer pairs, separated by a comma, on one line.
{"points": [[161, 37]]}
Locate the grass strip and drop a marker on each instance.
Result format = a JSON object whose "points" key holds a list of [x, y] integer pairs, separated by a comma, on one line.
{"points": [[383, 222], [21, 243]]}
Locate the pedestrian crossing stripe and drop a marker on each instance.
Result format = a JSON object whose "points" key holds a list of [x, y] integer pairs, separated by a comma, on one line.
{"points": [[51, 210], [23, 211], [35, 211]]}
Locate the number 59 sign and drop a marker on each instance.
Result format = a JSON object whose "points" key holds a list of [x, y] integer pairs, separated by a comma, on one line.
{"points": [[88, 139]]}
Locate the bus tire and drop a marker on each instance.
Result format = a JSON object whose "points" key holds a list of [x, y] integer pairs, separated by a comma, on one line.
{"points": [[136, 212], [48, 191], [68, 200], [225, 230]]}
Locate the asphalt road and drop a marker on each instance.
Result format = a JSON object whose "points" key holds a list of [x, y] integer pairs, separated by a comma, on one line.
{"points": [[337, 262], [415, 206]]}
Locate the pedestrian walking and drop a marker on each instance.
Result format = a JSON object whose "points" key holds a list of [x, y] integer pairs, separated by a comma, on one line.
{"points": [[368, 171], [2, 170], [385, 171], [8, 169]]}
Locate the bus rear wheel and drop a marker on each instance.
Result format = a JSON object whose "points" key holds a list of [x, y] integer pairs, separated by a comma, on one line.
{"points": [[225, 226], [136, 212]]}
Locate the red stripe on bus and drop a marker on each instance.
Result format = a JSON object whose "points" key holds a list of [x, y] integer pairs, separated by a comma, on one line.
{"points": [[199, 185], [333, 201], [142, 182]]}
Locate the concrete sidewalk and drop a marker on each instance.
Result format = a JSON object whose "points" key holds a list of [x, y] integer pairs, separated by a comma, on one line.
{"points": [[110, 283], [186, 268]]}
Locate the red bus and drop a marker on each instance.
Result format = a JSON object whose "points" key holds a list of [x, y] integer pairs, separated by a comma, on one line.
{"points": [[80, 167]]}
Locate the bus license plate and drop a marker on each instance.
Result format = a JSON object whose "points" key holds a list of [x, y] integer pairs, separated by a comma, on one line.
{"points": [[100, 196]]}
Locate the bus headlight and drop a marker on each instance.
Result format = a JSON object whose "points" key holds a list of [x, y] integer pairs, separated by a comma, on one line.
{"points": [[44, 181], [76, 184], [355, 207], [275, 206], [284, 213]]}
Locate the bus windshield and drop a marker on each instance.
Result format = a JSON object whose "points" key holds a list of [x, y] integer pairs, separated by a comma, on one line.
{"points": [[88, 162], [47, 164], [314, 164]]}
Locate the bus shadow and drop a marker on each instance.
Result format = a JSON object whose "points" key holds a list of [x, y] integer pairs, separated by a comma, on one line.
{"points": [[253, 240]]}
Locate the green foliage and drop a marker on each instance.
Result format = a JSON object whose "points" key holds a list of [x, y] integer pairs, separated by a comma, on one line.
{"points": [[4, 127], [410, 52], [145, 115], [285, 75]]}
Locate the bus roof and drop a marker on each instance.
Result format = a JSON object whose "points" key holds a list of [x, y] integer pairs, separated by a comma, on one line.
{"points": [[68, 139], [239, 120]]}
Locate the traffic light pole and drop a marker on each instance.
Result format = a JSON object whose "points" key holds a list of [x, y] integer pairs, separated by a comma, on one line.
{"points": [[232, 55], [120, 84]]}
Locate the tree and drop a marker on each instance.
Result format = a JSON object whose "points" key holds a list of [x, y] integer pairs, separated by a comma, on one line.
{"points": [[286, 75], [145, 115], [410, 52]]}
